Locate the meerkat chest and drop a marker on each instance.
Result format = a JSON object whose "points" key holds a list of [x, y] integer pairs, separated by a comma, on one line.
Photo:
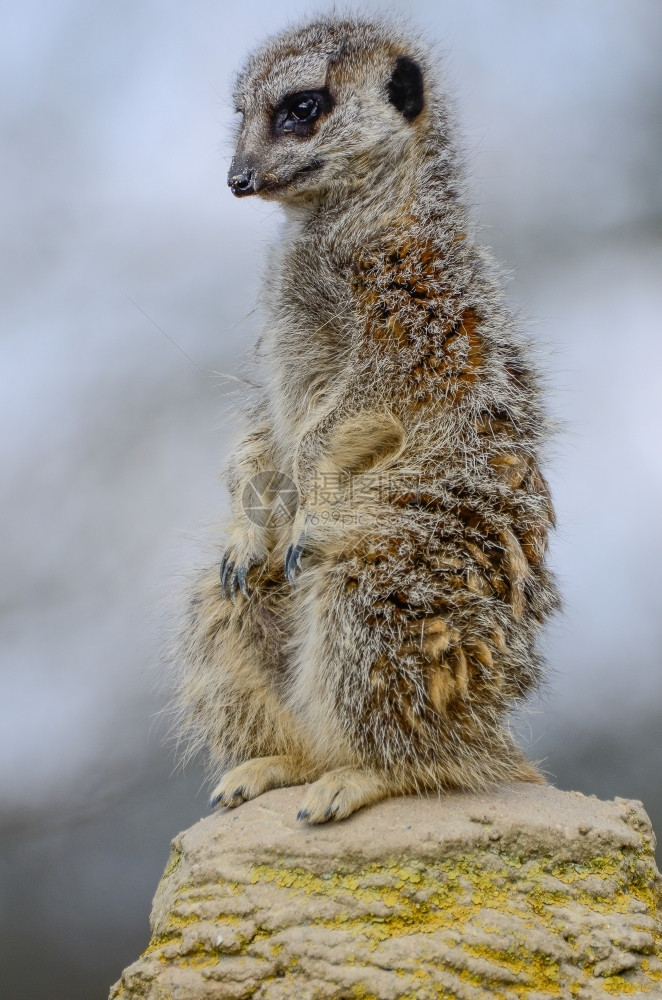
{"points": [[309, 339]]}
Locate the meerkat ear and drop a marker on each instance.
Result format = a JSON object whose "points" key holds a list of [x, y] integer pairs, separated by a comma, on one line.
{"points": [[405, 88]]}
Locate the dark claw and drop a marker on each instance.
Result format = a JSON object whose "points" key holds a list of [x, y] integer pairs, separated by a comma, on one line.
{"points": [[331, 811], [227, 569], [238, 578], [302, 814], [241, 580], [293, 561], [238, 791], [234, 578], [214, 802]]}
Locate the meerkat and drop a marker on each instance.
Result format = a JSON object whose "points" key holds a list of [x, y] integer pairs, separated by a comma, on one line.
{"points": [[375, 642]]}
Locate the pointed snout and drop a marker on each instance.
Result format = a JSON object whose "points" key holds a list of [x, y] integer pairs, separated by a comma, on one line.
{"points": [[242, 183], [242, 176]]}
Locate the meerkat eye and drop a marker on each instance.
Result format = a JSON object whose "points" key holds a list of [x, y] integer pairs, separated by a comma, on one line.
{"points": [[297, 113], [306, 109]]}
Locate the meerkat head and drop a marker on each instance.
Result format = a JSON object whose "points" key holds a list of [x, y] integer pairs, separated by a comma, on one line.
{"points": [[326, 108]]}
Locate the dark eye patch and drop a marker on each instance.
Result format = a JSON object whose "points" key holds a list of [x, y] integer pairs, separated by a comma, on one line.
{"points": [[297, 113]]}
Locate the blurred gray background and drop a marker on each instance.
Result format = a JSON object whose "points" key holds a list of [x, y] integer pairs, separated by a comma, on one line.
{"points": [[119, 237]]}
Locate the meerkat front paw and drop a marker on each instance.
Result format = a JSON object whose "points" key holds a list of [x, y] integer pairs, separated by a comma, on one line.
{"points": [[234, 569], [234, 575], [253, 777], [337, 794]]}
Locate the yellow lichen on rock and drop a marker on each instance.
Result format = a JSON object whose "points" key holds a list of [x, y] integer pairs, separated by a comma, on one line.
{"points": [[526, 894]]}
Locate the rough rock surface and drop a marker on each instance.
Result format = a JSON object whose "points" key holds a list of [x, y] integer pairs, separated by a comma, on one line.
{"points": [[528, 892]]}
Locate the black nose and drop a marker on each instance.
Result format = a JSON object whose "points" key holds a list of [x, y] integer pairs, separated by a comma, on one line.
{"points": [[242, 183]]}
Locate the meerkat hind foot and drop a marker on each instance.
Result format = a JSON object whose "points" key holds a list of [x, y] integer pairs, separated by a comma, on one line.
{"points": [[253, 777], [339, 793]]}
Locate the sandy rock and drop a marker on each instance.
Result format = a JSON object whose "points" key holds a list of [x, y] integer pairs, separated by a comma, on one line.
{"points": [[527, 892]]}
